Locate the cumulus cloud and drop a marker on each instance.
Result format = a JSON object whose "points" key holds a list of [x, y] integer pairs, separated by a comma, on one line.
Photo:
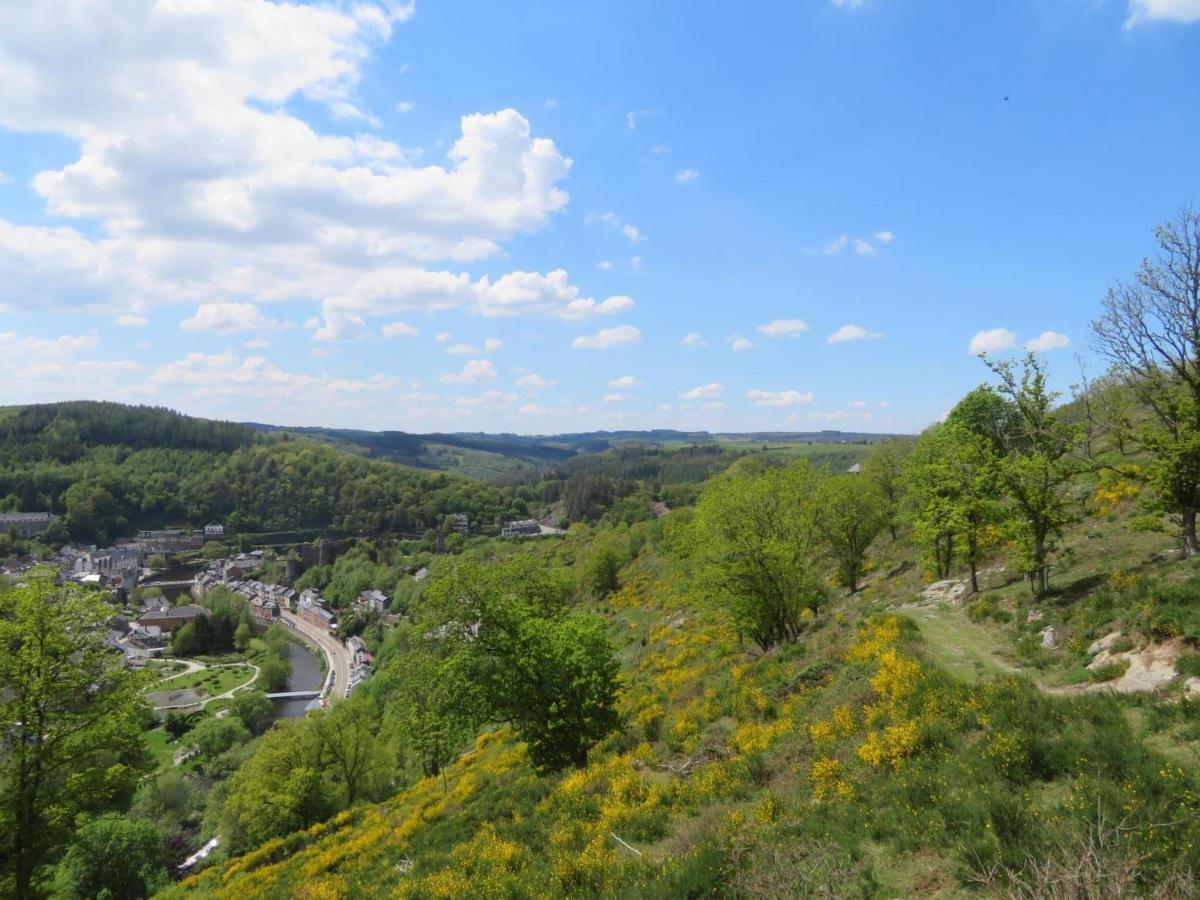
{"points": [[605, 265], [625, 381], [1179, 11], [779, 398], [740, 344], [228, 318], [204, 184], [704, 392], [608, 337], [131, 321], [884, 237], [490, 345], [694, 340], [614, 398], [1048, 340], [852, 333], [398, 329], [474, 370], [784, 328], [552, 294], [405, 106], [684, 176], [860, 245], [532, 381], [993, 340]]}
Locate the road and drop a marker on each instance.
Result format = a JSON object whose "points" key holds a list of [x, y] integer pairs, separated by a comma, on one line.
{"points": [[337, 657]]}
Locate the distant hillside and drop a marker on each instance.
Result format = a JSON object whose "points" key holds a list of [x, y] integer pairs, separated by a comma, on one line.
{"points": [[482, 455]]}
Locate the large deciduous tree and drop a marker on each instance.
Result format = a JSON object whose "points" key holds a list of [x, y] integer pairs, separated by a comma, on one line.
{"points": [[852, 513], [756, 539], [70, 722], [884, 466], [1150, 332], [549, 671]]}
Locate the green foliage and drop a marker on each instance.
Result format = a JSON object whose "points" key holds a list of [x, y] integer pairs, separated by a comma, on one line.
{"points": [[71, 713], [252, 709], [112, 858], [757, 541], [852, 511], [274, 672], [213, 736], [884, 466], [213, 550], [549, 672]]}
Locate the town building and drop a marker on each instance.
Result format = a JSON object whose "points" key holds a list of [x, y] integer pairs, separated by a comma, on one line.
{"points": [[26, 524], [174, 617], [214, 531], [312, 608], [521, 527], [460, 523], [375, 601]]}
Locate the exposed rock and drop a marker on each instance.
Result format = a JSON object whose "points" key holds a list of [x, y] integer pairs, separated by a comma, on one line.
{"points": [[1149, 669], [1050, 637], [1169, 553], [1191, 687], [1103, 643], [1035, 615], [949, 591]]}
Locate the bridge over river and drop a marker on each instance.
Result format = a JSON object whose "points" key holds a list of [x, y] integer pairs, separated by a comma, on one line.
{"points": [[294, 695]]}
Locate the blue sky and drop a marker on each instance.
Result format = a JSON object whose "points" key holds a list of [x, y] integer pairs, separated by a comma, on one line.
{"points": [[557, 216]]}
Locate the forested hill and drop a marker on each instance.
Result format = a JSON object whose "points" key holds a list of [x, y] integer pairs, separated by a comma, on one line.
{"points": [[110, 470], [65, 432]]}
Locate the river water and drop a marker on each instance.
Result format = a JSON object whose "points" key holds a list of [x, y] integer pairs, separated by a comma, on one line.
{"points": [[306, 676]]}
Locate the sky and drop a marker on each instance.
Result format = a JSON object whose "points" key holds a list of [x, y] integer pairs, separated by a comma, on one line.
{"points": [[557, 216]]}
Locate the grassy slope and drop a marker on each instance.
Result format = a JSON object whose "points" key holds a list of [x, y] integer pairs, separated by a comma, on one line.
{"points": [[785, 793]]}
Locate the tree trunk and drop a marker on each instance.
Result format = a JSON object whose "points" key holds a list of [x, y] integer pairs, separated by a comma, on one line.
{"points": [[1189, 532], [974, 578]]}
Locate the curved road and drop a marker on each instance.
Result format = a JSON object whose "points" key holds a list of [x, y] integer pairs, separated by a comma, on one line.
{"points": [[337, 657]]}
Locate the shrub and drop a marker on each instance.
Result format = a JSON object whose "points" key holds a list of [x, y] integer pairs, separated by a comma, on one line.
{"points": [[1110, 671]]}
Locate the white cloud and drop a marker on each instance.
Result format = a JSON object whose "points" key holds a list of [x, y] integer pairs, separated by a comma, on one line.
{"points": [[704, 392], [857, 404], [863, 248], [660, 150], [635, 263], [884, 237], [552, 294], [5, 178], [713, 405], [625, 381], [634, 115], [474, 370], [608, 337], [1048, 340], [338, 327], [398, 329], [532, 381], [849, 4], [443, 336], [852, 333], [131, 321], [258, 343], [206, 186], [405, 106], [550, 103], [694, 340], [993, 340], [779, 398], [784, 328], [1179, 11], [664, 407], [683, 176], [604, 265], [631, 232], [614, 398], [228, 318], [741, 344], [490, 345]]}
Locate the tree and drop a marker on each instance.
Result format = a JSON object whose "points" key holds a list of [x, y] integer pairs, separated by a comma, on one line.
{"points": [[1148, 331], [433, 704], [252, 708], [279, 789], [214, 736], [884, 466], [602, 571], [954, 478], [756, 539], [178, 724], [70, 721], [852, 513], [157, 561], [351, 752], [242, 635], [1037, 468], [113, 858], [550, 672], [274, 672], [213, 550]]}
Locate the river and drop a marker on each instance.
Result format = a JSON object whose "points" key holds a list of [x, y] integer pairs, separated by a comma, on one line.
{"points": [[306, 676]]}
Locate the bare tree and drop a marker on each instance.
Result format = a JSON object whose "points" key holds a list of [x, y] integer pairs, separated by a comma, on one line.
{"points": [[1150, 332]]}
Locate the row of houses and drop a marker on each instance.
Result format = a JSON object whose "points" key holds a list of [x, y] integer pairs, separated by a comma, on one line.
{"points": [[360, 662], [26, 524]]}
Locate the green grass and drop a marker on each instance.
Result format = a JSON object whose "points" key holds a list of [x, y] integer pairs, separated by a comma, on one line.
{"points": [[211, 682]]}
